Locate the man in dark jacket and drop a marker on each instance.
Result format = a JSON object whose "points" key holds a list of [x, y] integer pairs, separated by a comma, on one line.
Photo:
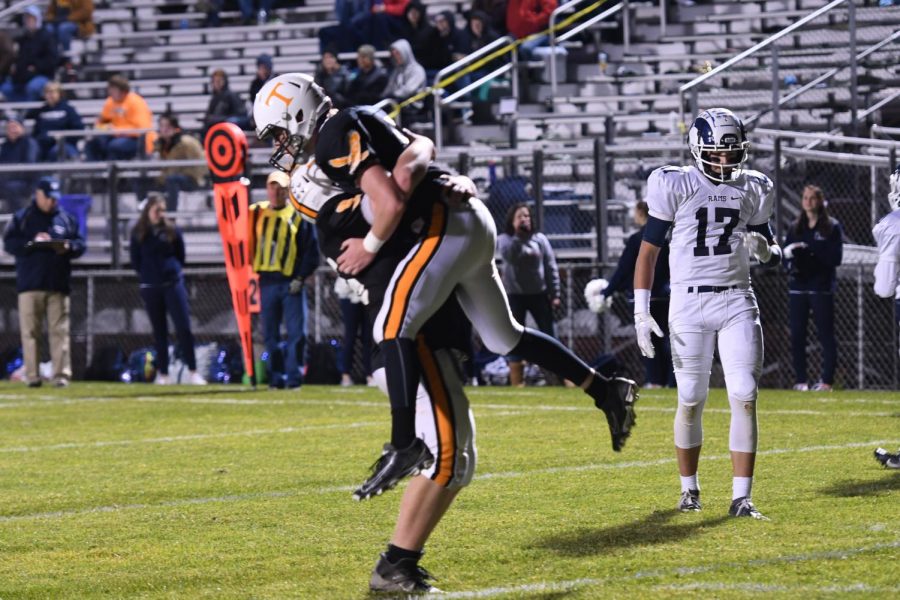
{"points": [[265, 70], [657, 370], [19, 148], [425, 40], [369, 80], [224, 105], [55, 115], [44, 239], [36, 62]]}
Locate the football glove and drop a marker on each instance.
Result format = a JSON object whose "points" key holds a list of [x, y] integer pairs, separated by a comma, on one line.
{"points": [[758, 246], [645, 325], [597, 301], [790, 249], [296, 286]]}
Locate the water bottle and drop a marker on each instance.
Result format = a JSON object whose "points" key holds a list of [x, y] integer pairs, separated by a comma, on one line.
{"points": [[603, 61]]}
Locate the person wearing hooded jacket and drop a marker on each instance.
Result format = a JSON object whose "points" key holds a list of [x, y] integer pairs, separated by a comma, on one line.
{"points": [[35, 63], [224, 104], [407, 78], [424, 38]]}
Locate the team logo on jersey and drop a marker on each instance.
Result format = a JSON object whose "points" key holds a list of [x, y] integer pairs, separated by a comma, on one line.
{"points": [[348, 204], [354, 157]]}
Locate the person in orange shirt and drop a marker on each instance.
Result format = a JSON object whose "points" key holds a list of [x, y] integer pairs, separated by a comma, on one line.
{"points": [[123, 109]]}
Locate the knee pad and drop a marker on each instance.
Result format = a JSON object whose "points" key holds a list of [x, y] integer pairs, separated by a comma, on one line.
{"points": [[689, 414], [742, 392]]}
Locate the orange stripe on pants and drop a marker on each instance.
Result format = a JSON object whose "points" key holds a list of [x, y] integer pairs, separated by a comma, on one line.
{"points": [[434, 382], [407, 280]]}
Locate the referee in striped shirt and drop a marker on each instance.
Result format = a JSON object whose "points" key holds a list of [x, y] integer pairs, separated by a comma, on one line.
{"points": [[285, 253]]}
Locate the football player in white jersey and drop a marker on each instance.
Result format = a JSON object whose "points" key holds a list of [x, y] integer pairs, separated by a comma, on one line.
{"points": [[718, 213], [887, 275]]}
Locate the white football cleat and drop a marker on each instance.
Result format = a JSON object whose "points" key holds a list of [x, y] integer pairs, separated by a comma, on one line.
{"points": [[194, 378]]}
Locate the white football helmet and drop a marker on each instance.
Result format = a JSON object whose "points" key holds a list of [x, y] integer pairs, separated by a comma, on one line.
{"points": [[894, 194], [310, 190], [718, 130], [290, 108]]}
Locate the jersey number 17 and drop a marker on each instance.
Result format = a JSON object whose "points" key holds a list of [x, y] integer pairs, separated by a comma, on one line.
{"points": [[729, 216]]}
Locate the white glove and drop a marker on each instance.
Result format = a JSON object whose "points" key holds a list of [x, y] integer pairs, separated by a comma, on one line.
{"points": [[789, 250], [596, 299], [758, 246], [645, 325]]}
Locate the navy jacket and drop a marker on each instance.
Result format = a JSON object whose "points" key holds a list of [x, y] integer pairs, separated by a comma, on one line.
{"points": [[23, 150], [42, 269], [61, 117], [812, 269], [157, 261], [37, 50], [623, 278]]}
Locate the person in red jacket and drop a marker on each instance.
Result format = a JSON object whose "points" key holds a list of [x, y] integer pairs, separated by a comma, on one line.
{"points": [[384, 23], [525, 17]]}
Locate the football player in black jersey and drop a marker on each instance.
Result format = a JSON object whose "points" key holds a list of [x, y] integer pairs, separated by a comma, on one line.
{"points": [[402, 196]]}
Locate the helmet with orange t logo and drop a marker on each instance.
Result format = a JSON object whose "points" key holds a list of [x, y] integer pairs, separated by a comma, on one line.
{"points": [[289, 109]]}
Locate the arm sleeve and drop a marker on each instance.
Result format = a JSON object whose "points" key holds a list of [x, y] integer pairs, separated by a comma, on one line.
{"points": [[661, 198], [345, 151], [655, 233], [180, 255], [551, 270], [134, 251], [835, 246], [14, 239], [887, 271], [77, 243], [625, 268]]}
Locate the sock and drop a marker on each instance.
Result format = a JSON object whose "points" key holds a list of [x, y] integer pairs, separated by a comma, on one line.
{"points": [[690, 483], [550, 354], [395, 554], [740, 487], [402, 373]]}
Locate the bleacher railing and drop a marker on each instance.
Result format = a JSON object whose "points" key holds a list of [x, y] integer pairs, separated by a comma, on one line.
{"points": [[457, 70], [715, 79], [556, 37]]}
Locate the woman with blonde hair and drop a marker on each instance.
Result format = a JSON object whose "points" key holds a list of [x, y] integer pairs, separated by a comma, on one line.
{"points": [[157, 254]]}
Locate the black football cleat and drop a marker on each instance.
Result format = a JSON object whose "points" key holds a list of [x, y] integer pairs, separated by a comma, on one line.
{"points": [[393, 466], [742, 507], [616, 398], [404, 577], [887, 460], [690, 501]]}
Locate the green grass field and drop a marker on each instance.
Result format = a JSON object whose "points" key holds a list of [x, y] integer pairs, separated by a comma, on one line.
{"points": [[114, 491]]}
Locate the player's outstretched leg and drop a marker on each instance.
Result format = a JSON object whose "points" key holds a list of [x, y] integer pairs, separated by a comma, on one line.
{"points": [[886, 459], [614, 396], [394, 465]]}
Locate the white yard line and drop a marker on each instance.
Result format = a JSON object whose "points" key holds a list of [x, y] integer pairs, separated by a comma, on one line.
{"points": [[485, 476], [572, 584]]}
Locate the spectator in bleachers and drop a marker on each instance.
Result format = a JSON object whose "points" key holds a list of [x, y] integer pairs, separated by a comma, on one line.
{"points": [[18, 148], [813, 250], [406, 79], [495, 11], [285, 252], [44, 239], [381, 24], [7, 55], [451, 36], [265, 70], [157, 255], [478, 32], [524, 17], [55, 115], [334, 78], [65, 18], [123, 109], [356, 323], [259, 10], [424, 38], [35, 63], [530, 276], [369, 80], [224, 104], [173, 144]]}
